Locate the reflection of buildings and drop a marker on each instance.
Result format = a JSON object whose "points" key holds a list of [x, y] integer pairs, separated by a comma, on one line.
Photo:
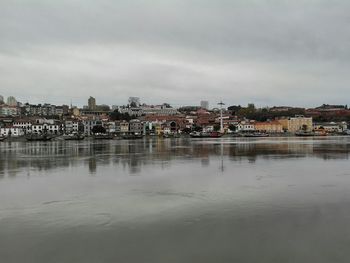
{"points": [[15, 157], [92, 165], [205, 161]]}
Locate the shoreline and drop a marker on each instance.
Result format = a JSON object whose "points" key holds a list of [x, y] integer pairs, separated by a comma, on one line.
{"points": [[89, 138]]}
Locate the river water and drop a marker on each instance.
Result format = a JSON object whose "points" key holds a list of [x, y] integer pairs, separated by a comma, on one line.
{"points": [[176, 200]]}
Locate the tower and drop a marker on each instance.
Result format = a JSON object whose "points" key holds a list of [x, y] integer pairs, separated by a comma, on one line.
{"points": [[205, 104], [92, 103], [11, 101]]}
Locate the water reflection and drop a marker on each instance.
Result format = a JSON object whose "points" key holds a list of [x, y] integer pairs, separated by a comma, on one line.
{"points": [[16, 157], [217, 200]]}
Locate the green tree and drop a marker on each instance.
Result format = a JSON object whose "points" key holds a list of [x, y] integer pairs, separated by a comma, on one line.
{"points": [[98, 129], [232, 127], [116, 116], [197, 128], [186, 130]]}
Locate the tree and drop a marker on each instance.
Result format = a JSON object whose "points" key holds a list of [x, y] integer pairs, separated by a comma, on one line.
{"points": [[216, 127], [251, 106], [98, 129], [232, 127], [197, 128], [133, 104], [186, 130], [234, 108], [103, 108], [187, 109], [116, 116], [265, 110]]}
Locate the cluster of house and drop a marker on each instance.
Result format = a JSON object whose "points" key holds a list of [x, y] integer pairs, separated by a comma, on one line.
{"points": [[292, 125], [18, 119], [33, 110], [22, 127], [167, 124]]}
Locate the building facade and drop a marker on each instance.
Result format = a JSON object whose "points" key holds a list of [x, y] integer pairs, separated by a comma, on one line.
{"points": [[11, 132], [204, 104], [92, 103], [296, 123], [135, 126], [6, 110], [269, 127], [71, 126], [89, 124], [124, 127], [44, 110], [11, 101]]}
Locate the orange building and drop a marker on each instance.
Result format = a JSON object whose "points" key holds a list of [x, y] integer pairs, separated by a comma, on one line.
{"points": [[269, 127]]}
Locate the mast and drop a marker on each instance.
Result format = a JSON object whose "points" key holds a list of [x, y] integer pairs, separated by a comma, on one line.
{"points": [[221, 120]]}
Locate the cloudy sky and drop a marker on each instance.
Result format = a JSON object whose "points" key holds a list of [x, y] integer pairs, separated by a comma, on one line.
{"points": [[269, 52]]}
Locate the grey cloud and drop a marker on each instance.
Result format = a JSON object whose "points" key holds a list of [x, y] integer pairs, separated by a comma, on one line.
{"points": [[181, 51]]}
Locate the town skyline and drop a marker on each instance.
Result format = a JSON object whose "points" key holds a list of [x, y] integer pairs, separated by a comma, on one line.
{"points": [[213, 104]]}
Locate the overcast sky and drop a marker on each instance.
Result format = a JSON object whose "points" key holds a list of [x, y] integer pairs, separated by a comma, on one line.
{"points": [[267, 52]]}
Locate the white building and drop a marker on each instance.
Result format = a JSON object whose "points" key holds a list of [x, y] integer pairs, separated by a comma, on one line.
{"points": [[89, 124], [331, 127], [205, 104], [190, 121], [245, 126], [26, 126], [71, 127], [208, 128], [46, 128], [111, 127], [11, 101], [12, 131], [6, 110], [124, 127], [44, 109], [149, 110]]}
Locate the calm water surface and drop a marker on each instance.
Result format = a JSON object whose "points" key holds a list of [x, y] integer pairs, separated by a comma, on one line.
{"points": [[176, 200]]}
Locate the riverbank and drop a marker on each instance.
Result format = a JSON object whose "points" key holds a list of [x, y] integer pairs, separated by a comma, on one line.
{"points": [[275, 135]]}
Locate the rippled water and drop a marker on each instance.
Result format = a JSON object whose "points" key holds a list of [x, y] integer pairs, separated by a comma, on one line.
{"points": [[176, 200]]}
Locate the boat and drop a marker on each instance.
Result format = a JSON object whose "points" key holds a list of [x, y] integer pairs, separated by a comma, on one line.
{"points": [[304, 133], [215, 135], [206, 134], [256, 134], [171, 135], [132, 136], [346, 132], [2, 138], [73, 136], [38, 137], [196, 134], [103, 136]]}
